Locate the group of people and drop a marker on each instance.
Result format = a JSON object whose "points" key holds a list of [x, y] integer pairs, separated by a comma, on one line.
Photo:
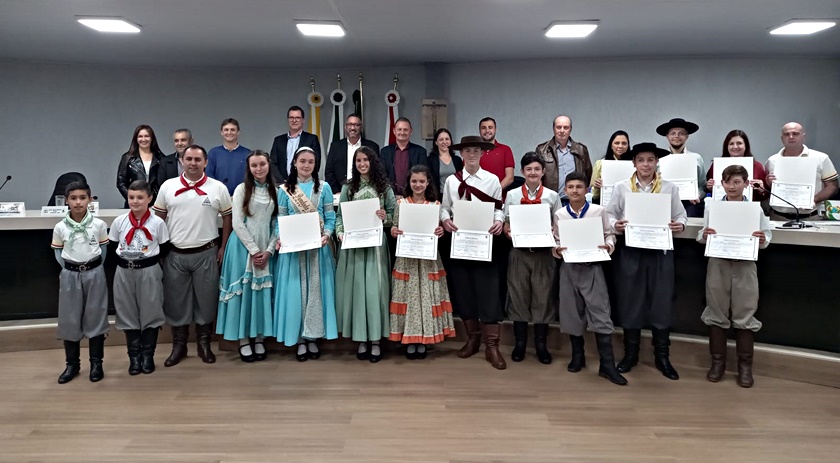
{"points": [[173, 268]]}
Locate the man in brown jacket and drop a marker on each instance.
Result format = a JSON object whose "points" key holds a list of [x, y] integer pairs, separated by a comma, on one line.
{"points": [[563, 156]]}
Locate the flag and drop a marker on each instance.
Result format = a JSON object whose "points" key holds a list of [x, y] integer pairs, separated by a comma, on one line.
{"points": [[392, 99], [315, 100], [337, 98]]}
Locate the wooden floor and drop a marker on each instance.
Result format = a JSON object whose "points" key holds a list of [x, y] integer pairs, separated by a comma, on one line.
{"points": [[442, 409]]}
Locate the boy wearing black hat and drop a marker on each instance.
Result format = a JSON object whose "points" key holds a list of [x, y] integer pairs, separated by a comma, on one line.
{"points": [[676, 131]]}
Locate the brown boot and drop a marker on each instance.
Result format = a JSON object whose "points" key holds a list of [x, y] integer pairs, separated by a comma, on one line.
{"points": [[180, 334], [473, 329], [717, 348], [744, 340], [204, 337], [491, 345]]}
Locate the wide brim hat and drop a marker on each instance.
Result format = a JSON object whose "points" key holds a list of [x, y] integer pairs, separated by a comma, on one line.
{"points": [[689, 127], [648, 147], [472, 140]]}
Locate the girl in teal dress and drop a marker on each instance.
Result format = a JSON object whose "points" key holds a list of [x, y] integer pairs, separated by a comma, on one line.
{"points": [[245, 283], [362, 282], [304, 303]]}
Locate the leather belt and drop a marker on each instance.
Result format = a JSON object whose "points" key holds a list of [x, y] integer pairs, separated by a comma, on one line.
{"points": [[89, 265], [205, 247], [137, 264]]}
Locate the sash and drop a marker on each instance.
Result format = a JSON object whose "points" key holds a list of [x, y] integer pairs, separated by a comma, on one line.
{"points": [[302, 203], [467, 191]]}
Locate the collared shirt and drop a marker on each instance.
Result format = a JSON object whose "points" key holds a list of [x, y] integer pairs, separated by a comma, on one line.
{"points": [[825, 172], [86, 246], [292, 146], [227, 166], [615, 210], [497, 160], [190, 217], [483, 180], [764, 225], [351, 151], [140, 247], [565, 163], [549, 197], [593, 211], [401, 166]]}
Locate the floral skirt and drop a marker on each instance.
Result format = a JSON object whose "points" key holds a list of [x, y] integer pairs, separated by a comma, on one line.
{"points": [[420, 309]]}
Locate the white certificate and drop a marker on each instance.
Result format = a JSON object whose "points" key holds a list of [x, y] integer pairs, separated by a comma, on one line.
{"points": [[581, 238], [473, 215], [419, 218], [741, 218], [680, 170], [732, 247], [530, 226], [470, 245], [800, 195], [606, 194], [649, 237], [718, 166], [417, 246], [647, 208], [612, 172], [299, 232], [360, 214], [367, 238]]}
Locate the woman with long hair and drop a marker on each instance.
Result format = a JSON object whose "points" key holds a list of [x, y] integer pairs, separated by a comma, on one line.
{"points": [[304, 304], [140, 162], [246, 282], [616, 148], [443, 162], [737, 144], [362, 282]]}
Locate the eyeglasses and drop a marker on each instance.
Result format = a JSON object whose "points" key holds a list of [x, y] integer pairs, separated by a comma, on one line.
{"points": [[350, 124], [295, 118]]}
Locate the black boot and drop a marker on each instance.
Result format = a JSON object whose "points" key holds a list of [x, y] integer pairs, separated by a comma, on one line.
{"points": [[96, 349], [632, 340], [578, 356], [180, 335], [607, 360], [71, 356], [132, 344], [520, 334], [661, 354], [204, 333], [540, 343], [148, 342]]}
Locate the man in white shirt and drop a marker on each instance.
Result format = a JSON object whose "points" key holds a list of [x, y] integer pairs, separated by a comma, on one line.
{"points": [[340, 156], [285, 146], [190, 205], [825, 181], [676, 131]]}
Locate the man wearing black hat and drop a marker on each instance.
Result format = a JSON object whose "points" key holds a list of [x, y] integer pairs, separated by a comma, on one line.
{"points": [[676, 131], [645, 277], [478, 306]]}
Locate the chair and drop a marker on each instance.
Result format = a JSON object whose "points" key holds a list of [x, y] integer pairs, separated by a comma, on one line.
{"points": [[62, 182]]}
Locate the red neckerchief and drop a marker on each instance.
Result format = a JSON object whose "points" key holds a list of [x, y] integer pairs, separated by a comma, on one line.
{"points": [[537, 200], [467, 191], [195, 187], [135, 225]]}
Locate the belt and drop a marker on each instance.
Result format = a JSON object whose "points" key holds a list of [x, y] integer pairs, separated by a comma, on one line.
{"points": [[794, 216], [207, 246], [89, 265], [137, 264]]}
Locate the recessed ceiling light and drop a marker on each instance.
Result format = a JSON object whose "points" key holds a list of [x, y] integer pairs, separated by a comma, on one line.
{"points": [[109, 24], [571, 30], [321, 29], [802, 27]]}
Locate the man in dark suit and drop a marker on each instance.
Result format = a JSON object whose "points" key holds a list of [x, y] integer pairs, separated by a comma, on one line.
{"points": [[170, 166], [284, 146], [339, 158], [399, 157]]}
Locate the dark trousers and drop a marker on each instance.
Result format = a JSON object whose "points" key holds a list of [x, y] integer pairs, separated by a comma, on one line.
{"points": [[645, 284], [474, 290]]}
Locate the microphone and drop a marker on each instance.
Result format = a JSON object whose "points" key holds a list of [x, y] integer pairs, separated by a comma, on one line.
{"points": [[796, 223], [8, 177]]}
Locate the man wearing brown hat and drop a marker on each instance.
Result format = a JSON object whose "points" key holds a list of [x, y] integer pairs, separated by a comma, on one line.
{"points": [[676, 131], [562, 156], [479, 308]]}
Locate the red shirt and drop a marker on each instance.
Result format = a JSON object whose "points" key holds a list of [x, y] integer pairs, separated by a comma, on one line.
{"points": [[497, 160], [400, 169]]}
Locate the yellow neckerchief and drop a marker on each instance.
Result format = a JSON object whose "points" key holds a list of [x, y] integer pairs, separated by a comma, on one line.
{"points": [[657, 183]]}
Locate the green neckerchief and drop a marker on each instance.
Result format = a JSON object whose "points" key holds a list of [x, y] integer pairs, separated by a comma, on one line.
{"points": [[77, 227]]}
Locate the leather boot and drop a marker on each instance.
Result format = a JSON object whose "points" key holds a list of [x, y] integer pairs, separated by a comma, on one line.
{"points": [[607, 360], [661, 354], [717, 349], [132, 345], [744, 340], [541, 343], [473, 329], [96, 349], [632, 340], [520, 335], [491, 345], [578, 355], [180, 334], [148, 342], [204, 353], [71, 356]]}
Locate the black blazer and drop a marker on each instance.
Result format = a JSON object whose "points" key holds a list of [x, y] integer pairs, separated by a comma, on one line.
{"points": [[335, 172], [131, 168], [168, 168], [434, 166], [416, 155], [278, 154]]}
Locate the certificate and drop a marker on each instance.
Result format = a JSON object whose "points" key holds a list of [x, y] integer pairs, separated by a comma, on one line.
{"points": [[800, 195], [681, 170], [732, 247], [648, 208], [687, 187], [473, 215], [417, 246], [581, 238], [741, 218], [362, 228], [606, 194], [718, 166], [299, 232], [649, 237], [470, 245], [530, 226], [585, 256], [365, 238], [612, 172]]}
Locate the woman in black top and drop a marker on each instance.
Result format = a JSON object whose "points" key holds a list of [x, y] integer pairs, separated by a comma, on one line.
{"points": [[140, 162], [441, 157]]}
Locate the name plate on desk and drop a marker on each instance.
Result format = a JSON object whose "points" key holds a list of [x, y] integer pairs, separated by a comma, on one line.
{"points": [[93, 208], [12, 210], [417, 246], [649, 237], [53, 211], [472, 245], [732, 247]]}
